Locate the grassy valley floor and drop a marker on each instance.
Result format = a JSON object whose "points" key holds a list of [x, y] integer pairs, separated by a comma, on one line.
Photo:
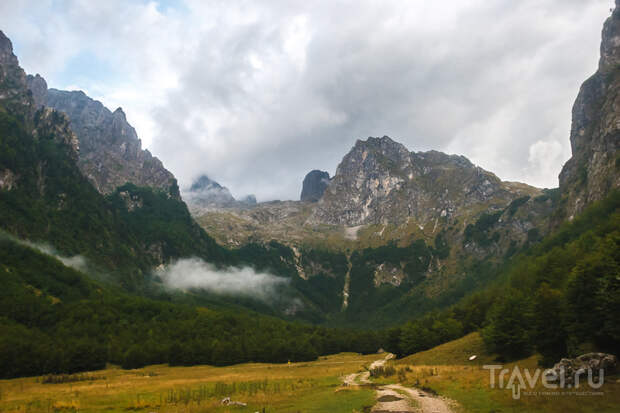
{"points": [[298, 387], [443, 374]]}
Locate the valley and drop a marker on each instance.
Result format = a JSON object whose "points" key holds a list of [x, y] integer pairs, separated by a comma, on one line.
{"points": [[394, 285]]}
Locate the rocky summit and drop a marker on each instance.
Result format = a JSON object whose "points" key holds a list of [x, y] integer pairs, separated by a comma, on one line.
{"points": [[17, 99], [379, 182], [207, 194], [14, 94], [314, 186], [594, 168]]}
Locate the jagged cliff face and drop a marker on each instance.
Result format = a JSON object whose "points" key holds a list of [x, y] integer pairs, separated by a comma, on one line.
{"points": [[17, 99], [111, 154], [14, 94], [594, 168], [380, 182]]}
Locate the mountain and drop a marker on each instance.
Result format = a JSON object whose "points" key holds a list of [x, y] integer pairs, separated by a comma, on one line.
{"points": [[379, 182], [111, 154], [314, 186], [395, 234], [382, 192], [205, 193], [45, 197], [594, 168]]}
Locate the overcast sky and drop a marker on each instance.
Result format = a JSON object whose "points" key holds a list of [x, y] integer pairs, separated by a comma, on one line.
{"points": [[258, 93]]}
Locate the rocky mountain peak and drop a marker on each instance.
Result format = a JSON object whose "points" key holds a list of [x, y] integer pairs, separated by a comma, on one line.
{"points": [[204, 183], [373, 151], [6, 51], [14, 94], [314, 185], [205, 193], [379, 181], [111, 154], [120, 114]]}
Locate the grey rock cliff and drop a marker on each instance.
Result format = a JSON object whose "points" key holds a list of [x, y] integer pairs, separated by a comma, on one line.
{"points": [[38, 87], [314, 186], [594, 168], [14, 94]]}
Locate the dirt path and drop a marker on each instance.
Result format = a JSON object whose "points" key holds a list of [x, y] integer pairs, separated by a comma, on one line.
{"points": [[391, 401], [426, 403], [355, 379], [396, 398]]}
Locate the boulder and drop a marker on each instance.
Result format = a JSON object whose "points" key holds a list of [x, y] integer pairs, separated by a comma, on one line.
{"points": [[579, 366]]}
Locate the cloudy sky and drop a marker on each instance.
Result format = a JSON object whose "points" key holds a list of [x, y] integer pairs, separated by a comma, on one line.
{"points": [[257, 93]]}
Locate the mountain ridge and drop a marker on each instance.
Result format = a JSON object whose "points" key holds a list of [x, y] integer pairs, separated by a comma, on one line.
{"points": [[111, 154]]}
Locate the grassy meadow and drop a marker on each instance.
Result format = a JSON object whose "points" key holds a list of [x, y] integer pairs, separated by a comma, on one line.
{"points": [[446, 370], [298, 387]]}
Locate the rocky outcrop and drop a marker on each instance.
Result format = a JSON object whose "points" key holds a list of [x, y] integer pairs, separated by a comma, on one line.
{"points": [[7, 180], [206, 194], [594, 168], [379, 181], [314, 185], [579, 368], [52, 124], [38, 87], [111, 154]]}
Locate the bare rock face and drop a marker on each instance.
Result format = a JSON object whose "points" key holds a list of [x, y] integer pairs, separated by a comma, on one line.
{"points": [[18, 100], [111, 154], [55, 125], [314, 186], [594, 168], [379, 181], [14, 94], [38, 87]]}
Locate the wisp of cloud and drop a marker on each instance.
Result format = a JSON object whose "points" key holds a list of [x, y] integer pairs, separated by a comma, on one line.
{"points": [[195, 273], [77, 262]]}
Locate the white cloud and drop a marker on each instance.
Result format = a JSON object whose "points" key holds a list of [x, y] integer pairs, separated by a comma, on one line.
{"points": [[543, 158], [195, 273], [256, 94]]}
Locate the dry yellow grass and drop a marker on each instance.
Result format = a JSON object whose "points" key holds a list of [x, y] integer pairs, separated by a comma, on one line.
{"points": [[277, 387]]}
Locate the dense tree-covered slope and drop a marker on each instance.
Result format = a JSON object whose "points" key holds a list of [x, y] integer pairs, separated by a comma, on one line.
{"points": [[560, 297], [55, 319]]}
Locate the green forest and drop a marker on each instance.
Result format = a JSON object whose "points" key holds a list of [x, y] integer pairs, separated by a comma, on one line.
{"points": [[558, 298]]}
